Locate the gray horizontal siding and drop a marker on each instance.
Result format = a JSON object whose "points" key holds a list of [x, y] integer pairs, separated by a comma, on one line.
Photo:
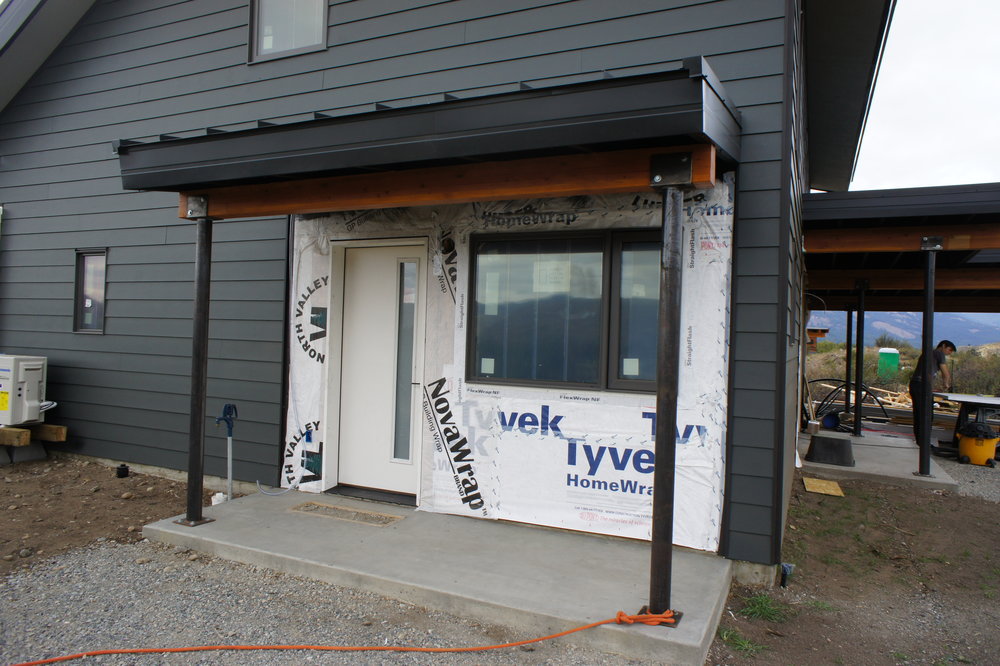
{"points": [[756, 289], [751, 516], [144, 68], [754, 347], [763, 369], [752, 375], [754, 545], [762, 233], [753, 431], [754, 403], [400, 70]]}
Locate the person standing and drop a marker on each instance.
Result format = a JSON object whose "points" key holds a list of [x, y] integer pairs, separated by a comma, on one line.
{"points": [[918, 392]]}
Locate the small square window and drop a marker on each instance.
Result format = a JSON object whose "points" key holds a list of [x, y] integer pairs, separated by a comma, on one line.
{"points": [[287, 27], [88, 315]]}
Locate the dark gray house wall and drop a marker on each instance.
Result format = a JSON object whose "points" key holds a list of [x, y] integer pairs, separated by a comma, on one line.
{"points": [[144, 68], [767, 326], [796, 170], [124, 394]]}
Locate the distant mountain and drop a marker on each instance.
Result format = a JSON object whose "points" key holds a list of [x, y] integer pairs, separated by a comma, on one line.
{"points": [[961, 328]]}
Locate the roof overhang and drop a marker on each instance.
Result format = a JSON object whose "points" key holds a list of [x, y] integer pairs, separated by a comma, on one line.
{"points": [[682, 106], [843, 47], [876, 236], [30, 30]]}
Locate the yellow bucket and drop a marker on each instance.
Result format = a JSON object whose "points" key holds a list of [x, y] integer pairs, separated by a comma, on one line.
{"points": [[978, 451]]}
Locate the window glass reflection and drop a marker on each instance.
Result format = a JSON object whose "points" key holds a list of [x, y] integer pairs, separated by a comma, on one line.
{"points": [[538, 310]]}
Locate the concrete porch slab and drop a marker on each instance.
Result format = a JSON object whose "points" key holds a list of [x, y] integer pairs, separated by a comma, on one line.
{"points": [[533, 579]]}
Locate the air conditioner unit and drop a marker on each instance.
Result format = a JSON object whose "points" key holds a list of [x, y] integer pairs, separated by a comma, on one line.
{"points": [[22, 389]]}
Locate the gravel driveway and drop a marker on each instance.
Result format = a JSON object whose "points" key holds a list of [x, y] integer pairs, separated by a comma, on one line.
{"points": [[149, 595], [972, 480]]}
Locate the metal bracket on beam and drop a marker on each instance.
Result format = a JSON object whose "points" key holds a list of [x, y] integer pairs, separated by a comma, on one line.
{"points": [[671, 170], [197, 207], [932, 243]]}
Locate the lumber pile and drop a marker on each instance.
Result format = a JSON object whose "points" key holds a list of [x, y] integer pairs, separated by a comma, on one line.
{"points": [[899, 399]]}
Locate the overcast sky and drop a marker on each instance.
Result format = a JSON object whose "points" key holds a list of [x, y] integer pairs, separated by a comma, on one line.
{"points": [[935, 115]]}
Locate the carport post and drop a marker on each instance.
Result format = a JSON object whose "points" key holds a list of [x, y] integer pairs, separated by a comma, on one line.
{"points": [[198, 209], [859, 358], [668, 173], [847, 362], [930, 245]]}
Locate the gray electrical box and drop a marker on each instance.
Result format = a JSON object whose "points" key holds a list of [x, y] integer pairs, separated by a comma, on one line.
{"points": [[22, 389]]}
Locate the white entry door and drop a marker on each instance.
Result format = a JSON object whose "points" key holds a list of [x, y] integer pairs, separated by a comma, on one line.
{"points": [[380, 377]]}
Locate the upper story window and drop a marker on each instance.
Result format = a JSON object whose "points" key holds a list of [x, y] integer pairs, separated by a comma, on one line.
{"points": [[287, 27]]}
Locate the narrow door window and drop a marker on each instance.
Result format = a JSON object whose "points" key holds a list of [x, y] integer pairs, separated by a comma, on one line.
{"points": [[406, 316]]}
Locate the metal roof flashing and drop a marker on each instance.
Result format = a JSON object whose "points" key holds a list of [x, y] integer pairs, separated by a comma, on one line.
{"points": [[685, 105]]}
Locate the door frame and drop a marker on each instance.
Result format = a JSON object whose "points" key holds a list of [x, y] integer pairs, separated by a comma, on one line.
{"points": [[334, 378]]}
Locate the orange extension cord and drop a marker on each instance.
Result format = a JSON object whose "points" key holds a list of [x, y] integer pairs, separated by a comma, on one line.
{"points": [[653, 619]]}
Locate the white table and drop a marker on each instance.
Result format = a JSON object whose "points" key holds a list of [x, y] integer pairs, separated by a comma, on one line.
{"points": [[983, 406]]}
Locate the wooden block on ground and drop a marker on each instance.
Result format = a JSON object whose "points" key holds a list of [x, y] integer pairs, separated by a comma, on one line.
{"points": [[15, 437], [46, 432], [822, 486]]}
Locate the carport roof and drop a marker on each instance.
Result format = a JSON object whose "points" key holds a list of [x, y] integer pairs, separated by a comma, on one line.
{"points": [[875, 235]]}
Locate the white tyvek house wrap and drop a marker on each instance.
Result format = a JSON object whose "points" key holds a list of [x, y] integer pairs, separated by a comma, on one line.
{"points": [[580, 459], [309, 342]]}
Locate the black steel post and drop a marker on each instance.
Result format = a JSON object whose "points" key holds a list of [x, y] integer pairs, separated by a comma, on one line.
{"points": [[199, 374], [847, 361], [859, 359], [930, 245], [667, 368]]}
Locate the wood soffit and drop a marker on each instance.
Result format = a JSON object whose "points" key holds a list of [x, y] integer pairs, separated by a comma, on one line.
{"points": [[612, 172], [904, 279], [901, 239]]}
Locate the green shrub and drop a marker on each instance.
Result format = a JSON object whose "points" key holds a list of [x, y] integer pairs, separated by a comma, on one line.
{"points": [[975, 373], [886, 340]]}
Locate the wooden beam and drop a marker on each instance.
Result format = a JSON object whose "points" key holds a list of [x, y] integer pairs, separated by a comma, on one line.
{"points": [[895, 302], [15, 437], [613, 172], [906, 279], [902, 239], [46, 432]]}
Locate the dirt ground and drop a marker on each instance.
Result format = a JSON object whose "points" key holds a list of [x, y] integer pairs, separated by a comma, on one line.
{"points": [[54, 505], [884, 575]]}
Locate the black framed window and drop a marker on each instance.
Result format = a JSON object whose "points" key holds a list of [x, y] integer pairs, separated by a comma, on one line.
{"points": [[635, 308], [565, 310], [88, 314], [287, 27]]}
